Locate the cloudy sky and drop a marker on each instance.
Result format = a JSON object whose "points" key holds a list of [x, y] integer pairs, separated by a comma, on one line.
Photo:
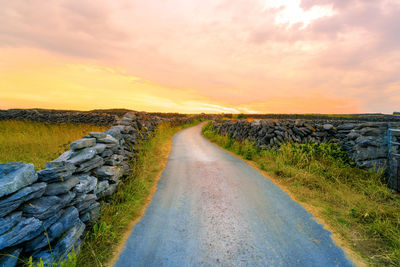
{"points": [[308, 56]]}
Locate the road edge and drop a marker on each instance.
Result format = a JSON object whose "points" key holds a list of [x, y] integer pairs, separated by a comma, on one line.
{"points": [[119, 249], [339, 241]]}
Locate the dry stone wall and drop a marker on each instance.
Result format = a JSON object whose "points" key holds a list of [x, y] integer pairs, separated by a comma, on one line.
{"points": [[57, 116], [365, 142], [55, 205]]}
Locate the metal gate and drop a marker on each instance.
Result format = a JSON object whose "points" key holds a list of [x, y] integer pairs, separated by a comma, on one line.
{"points": [[393, 159]]}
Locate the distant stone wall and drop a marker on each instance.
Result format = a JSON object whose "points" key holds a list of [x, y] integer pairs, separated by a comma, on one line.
{"points": [[57, 116], [365, 142], [54, 205]]}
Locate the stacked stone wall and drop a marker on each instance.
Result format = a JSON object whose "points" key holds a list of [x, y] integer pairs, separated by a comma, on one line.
{"points": [[365, 142], [56, 204]]}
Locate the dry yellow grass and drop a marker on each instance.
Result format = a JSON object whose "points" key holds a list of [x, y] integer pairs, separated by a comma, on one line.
{"points": [[38, 142]]}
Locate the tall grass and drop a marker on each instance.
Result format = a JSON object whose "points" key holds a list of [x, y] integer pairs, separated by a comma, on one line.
{"points": [[38, 142], [128, 203], [355, 203]]}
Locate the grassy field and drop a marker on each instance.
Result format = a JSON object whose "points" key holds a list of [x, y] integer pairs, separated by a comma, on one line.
{"points": [[38, 142], [355, 204], [118, 216]]}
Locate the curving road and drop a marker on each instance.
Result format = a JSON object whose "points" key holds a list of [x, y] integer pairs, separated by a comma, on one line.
{"points": [[212, 209]]}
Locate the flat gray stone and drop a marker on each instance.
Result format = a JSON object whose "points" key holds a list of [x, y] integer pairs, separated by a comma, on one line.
{"points": [[68, 219], [108, 140], [346, 126], [68, 240], [327, 127], [101, 186], [63, 246], [82, 143], [115, 132], [8, 222], [26, 229], [85, 217], [80, 197], [106, 153], [47, 206], [86, 184], [130, 115], [52, 219], [12, 202], [91, 164], [97, 135], [89, 200], [115, 160], [109, 172], [92, 213], [370, 131], [92, 206], [100, 148], [14, 176], [353, 135], [63, 157], [56, 171], [82, 155], [61, 187]]}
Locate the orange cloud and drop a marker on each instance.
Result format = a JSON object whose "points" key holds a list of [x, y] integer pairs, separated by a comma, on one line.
{"points": [[330, 56]]}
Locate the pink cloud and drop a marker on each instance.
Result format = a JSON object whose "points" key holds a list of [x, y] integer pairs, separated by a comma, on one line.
{"points": [[230, 52]]}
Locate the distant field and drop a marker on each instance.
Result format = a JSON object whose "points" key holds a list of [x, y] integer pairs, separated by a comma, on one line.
{"points": [[39, 142]]}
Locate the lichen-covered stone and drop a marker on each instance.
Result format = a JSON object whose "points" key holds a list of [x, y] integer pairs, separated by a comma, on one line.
{"points": [[109, 172], [86, 184], [115, 160], [82, 143], [14, 176], [101, 186], [56, 171]]}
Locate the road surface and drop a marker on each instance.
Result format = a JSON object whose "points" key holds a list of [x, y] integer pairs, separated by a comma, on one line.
{"points": [[212, 209]]}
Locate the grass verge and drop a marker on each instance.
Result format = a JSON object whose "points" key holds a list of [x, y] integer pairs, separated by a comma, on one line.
{"points": [[355, 204], [126, 206], [39, 142]]}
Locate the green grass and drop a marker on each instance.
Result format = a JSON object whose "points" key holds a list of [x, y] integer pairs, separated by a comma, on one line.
{"points": [[39, 142], [128, 203], [355, 203]]}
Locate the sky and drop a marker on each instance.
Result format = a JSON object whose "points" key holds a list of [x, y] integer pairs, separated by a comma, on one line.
{"points": [[213, 56]]}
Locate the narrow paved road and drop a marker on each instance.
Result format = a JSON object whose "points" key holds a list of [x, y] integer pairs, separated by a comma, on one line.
{"points": [[212, 209]]}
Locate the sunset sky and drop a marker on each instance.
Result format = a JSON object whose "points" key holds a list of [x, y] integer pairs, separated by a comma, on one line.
{"points": [[237, 56]]}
